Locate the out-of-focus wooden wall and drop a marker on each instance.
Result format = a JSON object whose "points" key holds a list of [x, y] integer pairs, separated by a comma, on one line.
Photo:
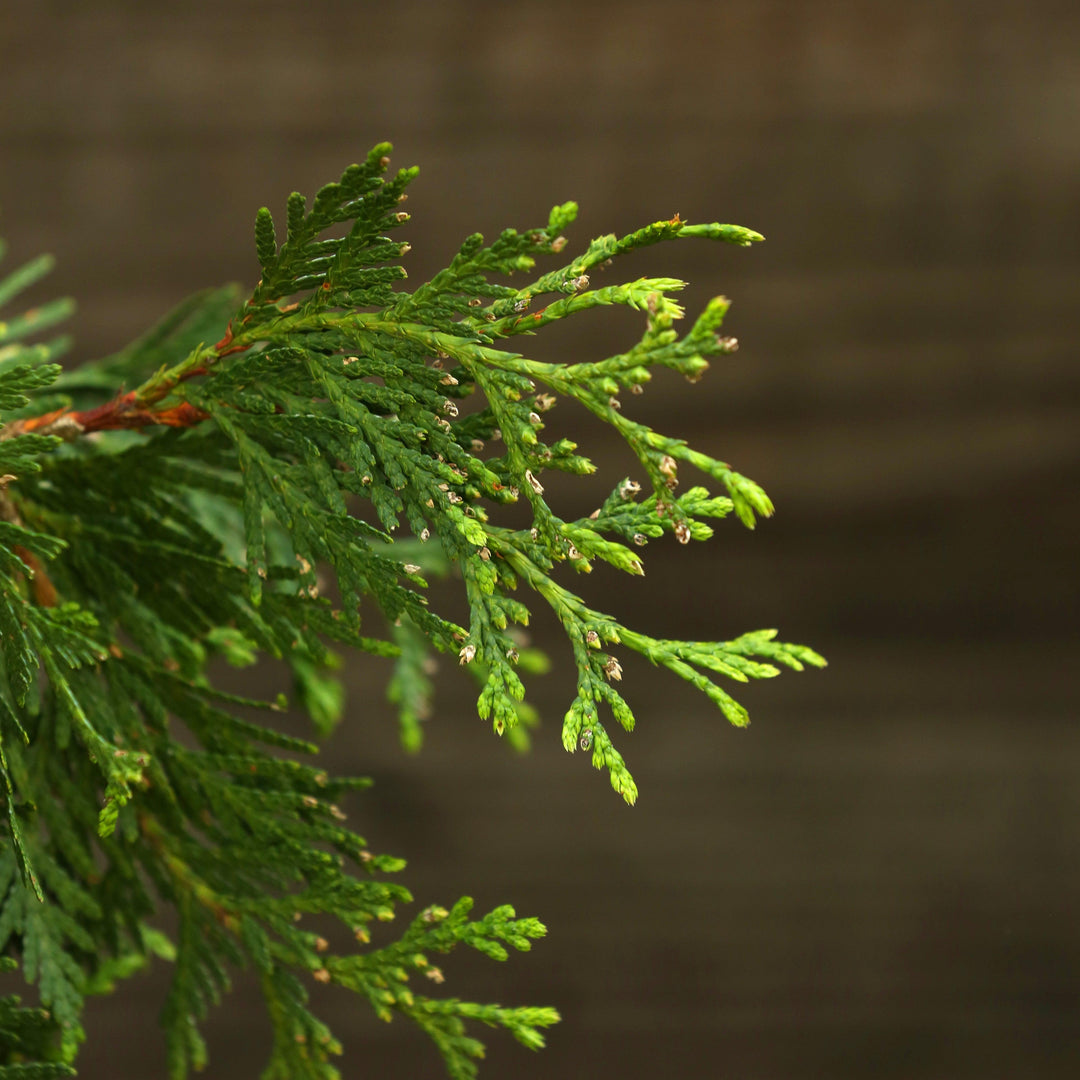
{"points": [[881, 878]]}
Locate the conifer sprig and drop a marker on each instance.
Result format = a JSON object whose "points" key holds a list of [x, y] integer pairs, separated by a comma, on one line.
{"points": [[181, 500]]}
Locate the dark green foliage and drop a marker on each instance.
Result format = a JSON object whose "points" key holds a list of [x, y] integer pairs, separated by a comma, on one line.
{"points": [[182, 500], [29, 1040]]}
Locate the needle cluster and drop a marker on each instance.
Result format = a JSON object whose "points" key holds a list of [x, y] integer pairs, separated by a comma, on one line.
{"points": [[287, 491]]}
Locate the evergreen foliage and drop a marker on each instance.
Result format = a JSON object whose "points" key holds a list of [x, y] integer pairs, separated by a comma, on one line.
{"points": [[145, 531]]}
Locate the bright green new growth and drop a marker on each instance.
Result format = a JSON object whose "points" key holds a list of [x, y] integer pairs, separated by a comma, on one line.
{"points": [[128, 559]]}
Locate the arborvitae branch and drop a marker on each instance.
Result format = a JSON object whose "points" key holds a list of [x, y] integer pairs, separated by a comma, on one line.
{"points": [[205, 510]]}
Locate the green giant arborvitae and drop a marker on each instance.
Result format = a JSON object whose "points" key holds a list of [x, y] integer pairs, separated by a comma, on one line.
{"points": [[181, 500]]}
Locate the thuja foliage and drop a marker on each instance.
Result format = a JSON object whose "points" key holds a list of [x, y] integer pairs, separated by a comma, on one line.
{"points": [[341, 441]]}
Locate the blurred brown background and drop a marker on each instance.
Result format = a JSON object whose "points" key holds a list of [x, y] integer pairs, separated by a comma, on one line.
{"points": [[880, 878]]}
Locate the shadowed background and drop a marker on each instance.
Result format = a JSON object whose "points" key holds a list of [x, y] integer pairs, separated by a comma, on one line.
{"points": [[880, 878]]}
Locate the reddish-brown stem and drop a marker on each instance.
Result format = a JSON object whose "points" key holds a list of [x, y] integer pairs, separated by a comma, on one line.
{"points": [[222, 348], [134, 409], [43, 589], [225, 341], [228, 352], [121, 413]]}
